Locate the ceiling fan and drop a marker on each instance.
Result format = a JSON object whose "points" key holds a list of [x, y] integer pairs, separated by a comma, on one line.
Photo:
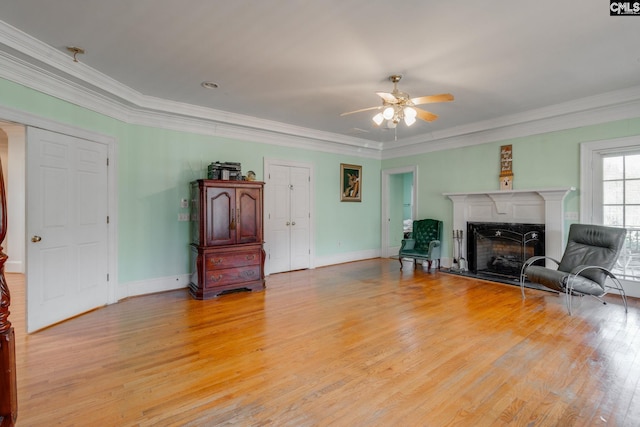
{"points": [[397, 106]]}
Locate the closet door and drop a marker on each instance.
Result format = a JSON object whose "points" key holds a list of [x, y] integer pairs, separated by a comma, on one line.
{"points": [[279, 219], [289, 218], [300, 218]]}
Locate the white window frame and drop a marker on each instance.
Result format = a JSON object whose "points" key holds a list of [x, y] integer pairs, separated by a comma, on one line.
{"points": [[591, 154]]}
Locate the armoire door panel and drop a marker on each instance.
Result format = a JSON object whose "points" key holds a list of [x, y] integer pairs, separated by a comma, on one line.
{"points": [[249, 211], [221, 226]]}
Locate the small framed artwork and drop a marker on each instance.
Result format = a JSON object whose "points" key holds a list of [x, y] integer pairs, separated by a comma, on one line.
{"points": [[350, 183], [506, 167]]}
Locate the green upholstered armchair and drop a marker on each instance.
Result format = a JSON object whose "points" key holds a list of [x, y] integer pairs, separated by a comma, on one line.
{"points": [[423, 242]]}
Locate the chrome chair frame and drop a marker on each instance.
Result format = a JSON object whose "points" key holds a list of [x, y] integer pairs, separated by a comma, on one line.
{"points": [[569, 292]]}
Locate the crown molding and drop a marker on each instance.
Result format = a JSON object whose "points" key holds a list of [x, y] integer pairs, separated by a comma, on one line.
{"points": [[38, 66], [190, 119], [55, 75], [597, 109]]}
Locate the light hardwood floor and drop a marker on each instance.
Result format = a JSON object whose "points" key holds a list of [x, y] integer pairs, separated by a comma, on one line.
{"points": [[358, 344]]}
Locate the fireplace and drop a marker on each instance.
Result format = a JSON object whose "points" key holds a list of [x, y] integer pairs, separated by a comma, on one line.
{"points": [[532, 206], [498, 250]]}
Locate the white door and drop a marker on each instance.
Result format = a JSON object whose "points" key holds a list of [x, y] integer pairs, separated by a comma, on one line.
{"points": [[279, 220], [67, 236], [300, 218], [288, 218]]}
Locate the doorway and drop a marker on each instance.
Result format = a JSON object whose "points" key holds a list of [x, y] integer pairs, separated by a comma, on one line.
{"points": [[288, 216], [399, 205], [87, 146], [12, 153]]}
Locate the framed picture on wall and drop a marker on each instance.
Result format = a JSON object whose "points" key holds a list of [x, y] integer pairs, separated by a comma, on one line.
{"points": [[350, 183]]}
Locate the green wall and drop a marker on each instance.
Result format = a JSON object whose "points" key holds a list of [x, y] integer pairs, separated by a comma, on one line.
{"points": [[155, 167], [396, 211], [407, 179], [539, 161]]}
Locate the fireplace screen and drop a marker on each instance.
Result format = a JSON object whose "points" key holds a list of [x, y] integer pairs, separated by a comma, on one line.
{"points": [[500, 249]]}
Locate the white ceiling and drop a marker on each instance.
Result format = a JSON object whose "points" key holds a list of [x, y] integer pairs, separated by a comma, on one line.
{"points": [[303, 63]]}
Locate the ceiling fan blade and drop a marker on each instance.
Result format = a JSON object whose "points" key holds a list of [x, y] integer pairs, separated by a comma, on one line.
{"points": [[425, 115], [359, 111], [445, 97], [388, 97]]}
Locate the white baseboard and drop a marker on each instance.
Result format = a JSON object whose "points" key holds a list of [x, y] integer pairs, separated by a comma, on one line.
{"points": [[632, 289], [14, 267], [152, 286], [162, 284], [346, 257]]}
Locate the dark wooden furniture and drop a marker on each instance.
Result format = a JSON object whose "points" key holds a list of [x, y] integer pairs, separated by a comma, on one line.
{"points": [[226, 237], [8, 387]]}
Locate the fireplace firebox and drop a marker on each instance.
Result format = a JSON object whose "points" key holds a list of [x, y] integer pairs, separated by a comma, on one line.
{"points": [[498, 250]]}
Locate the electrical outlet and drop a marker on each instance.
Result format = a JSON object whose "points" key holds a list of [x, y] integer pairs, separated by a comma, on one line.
{"points": [[183, 217], [184, 203], [571, 216]]}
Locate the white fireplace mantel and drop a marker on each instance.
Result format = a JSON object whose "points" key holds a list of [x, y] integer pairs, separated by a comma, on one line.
{"points": [[533, 206]]}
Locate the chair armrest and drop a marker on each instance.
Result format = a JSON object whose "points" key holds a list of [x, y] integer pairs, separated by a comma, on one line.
{"points": [[579, 269], [408, 244], [433, 244], [618, 285]]}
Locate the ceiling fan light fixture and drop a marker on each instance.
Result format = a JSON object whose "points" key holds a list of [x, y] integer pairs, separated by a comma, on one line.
{"points": [[409, 120], [388, 113], [410, 112], [378, 119]]}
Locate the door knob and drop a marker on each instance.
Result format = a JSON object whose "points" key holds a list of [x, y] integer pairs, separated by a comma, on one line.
{"points": [[288, 223], [293, 223], [36, 239]]}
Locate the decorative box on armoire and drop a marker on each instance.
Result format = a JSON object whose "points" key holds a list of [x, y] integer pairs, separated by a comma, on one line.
{"points": [[226, 237]]}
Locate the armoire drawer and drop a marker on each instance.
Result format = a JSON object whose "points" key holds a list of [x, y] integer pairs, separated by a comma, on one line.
{"points": [[237, 275], [224, 260]]}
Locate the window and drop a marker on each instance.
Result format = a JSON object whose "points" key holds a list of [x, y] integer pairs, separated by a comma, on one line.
{"points": [[621, 207], [611, 195], [621, 190]]}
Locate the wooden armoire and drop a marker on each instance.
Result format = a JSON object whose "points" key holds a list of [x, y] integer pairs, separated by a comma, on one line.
{"points": [[226, 237]]}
